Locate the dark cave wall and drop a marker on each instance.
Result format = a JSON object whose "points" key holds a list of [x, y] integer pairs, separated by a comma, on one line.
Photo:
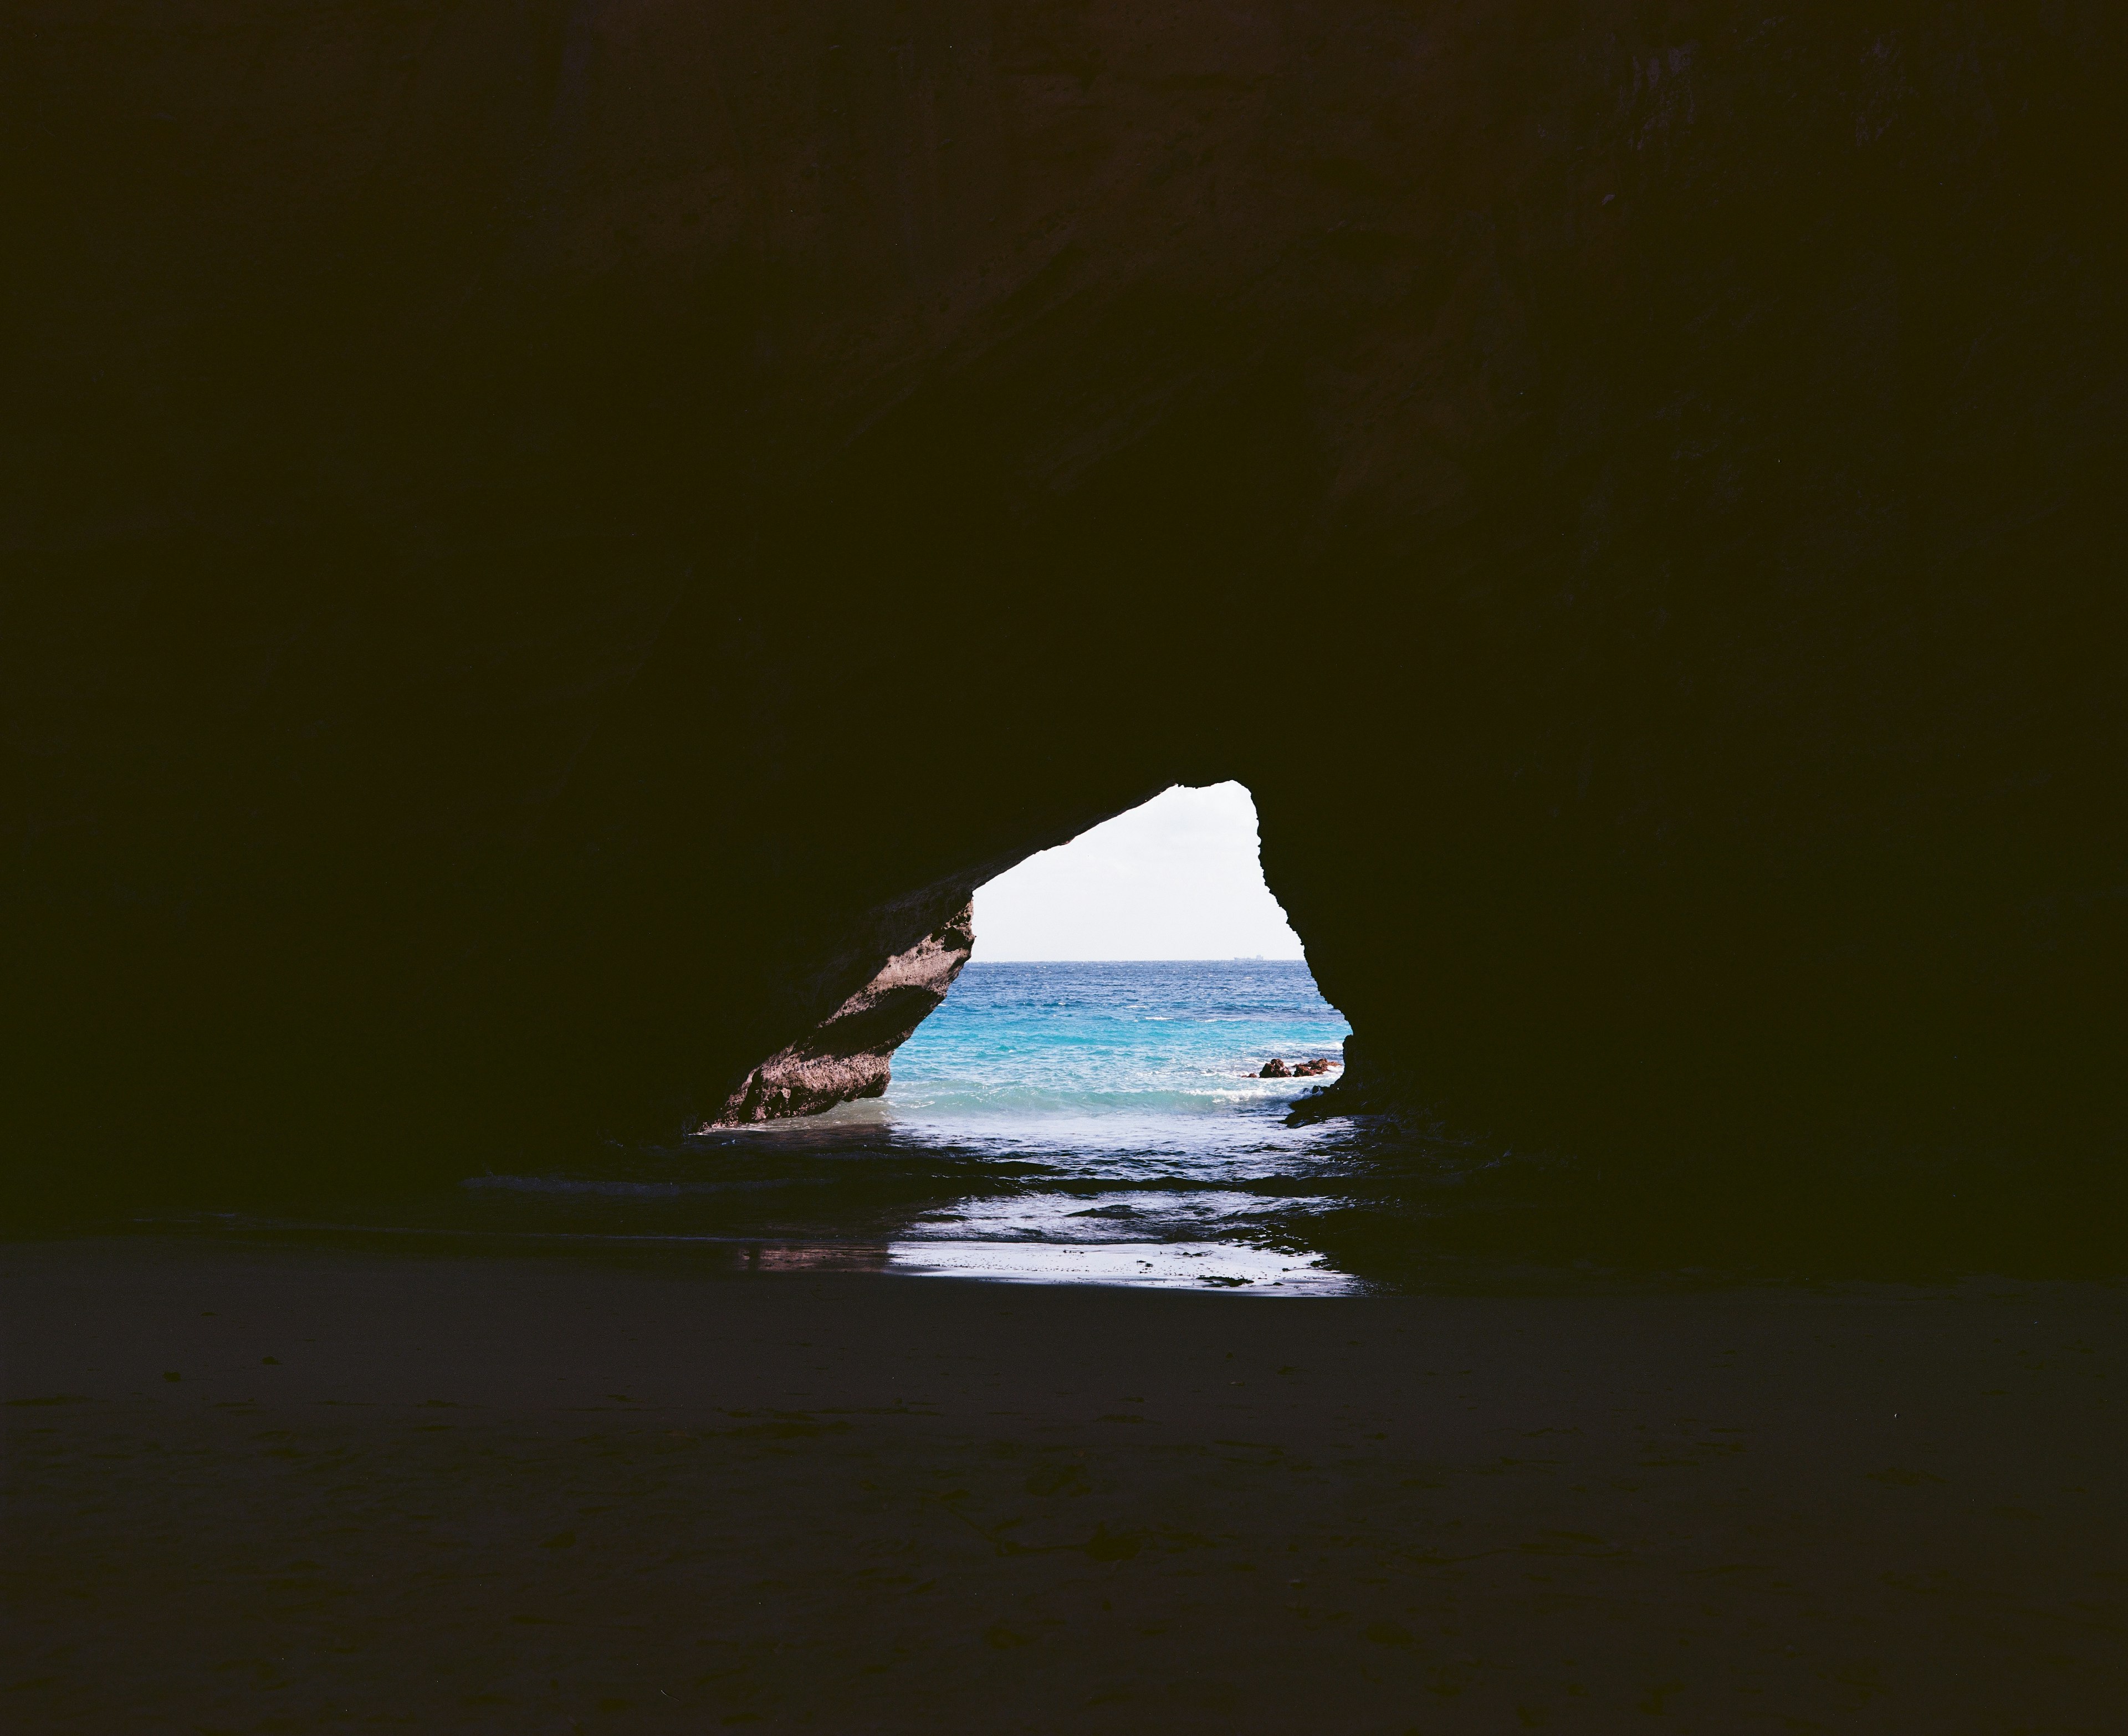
{"points": [[546, 544]]}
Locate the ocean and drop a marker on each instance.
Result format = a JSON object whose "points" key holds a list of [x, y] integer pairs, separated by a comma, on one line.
{"points": [[1090, 1123]]}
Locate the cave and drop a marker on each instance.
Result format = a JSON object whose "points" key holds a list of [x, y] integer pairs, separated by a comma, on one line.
{"points": [[531, 588], [548, 548], [1177, 878]]}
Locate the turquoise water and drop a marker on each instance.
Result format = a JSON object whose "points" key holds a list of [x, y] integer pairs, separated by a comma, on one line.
{"points": [[1087, 1122], [1125, 1053]]}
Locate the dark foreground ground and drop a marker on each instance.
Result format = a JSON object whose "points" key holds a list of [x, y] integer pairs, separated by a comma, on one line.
{"points": [[256, 1487]]}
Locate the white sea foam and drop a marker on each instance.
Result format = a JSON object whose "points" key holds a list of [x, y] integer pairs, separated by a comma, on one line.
{"points": [[1151, 1265]]}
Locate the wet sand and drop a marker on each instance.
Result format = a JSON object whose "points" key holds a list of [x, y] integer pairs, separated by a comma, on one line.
{"points": [[256, 1487]]}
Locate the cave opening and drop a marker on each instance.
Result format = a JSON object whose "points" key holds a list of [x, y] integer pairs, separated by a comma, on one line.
{"points": [[1093, 1099], [1146, 962], [1123, 1047]]}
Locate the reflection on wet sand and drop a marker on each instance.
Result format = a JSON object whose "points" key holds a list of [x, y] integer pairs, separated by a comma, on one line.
{"points": [[816, 1257], [1147, 1265]]}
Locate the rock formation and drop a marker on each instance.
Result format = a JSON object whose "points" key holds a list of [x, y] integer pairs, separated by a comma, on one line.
{"points": [[534, 537], [1276, 1067], [848, 1054]]}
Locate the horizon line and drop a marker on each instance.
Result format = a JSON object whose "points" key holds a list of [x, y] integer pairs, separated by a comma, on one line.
{"points": [[1209, 958]]}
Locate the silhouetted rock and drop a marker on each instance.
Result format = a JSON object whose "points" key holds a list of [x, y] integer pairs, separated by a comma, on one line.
{"points": [[847, 1054]]}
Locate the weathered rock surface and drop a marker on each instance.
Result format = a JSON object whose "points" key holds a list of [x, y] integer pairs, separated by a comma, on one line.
{"points": [[848, 1055], [1277, 1067], [534, 537]]}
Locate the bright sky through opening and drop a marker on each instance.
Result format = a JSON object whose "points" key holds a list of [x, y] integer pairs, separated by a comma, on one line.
{"points": [[1178, 878]]}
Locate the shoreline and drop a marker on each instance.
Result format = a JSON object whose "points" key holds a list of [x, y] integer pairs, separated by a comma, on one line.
{"points": [[499, 1493]]}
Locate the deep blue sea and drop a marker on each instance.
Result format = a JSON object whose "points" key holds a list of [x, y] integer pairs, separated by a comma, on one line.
{"points": [[1057, 1122]]}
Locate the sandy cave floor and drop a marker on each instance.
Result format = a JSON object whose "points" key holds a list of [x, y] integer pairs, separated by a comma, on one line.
{"points": [[553, 1495]]}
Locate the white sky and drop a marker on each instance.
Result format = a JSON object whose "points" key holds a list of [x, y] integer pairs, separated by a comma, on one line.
{"points": [[1177, 878]]}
